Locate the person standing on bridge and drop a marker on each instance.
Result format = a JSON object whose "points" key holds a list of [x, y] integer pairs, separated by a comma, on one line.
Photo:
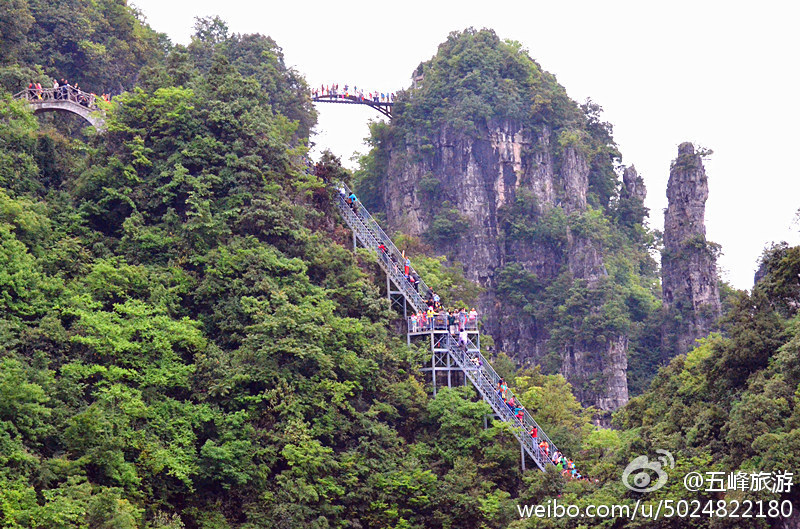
{"points": [[395, 266], [472, 319]]}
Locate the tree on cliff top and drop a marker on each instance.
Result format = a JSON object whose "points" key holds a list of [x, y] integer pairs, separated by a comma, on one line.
{"points": [[475, 77]]}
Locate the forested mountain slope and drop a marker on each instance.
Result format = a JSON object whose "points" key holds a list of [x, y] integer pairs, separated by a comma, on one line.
{"points": [[188, 340], [731, 405], [101, 45]]}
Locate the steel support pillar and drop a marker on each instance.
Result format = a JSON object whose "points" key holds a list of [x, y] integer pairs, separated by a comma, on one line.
{"points": [[449, 371], [433, 365]]}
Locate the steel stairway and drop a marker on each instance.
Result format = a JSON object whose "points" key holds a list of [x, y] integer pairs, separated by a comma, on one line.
{"points": [[474, 365]]}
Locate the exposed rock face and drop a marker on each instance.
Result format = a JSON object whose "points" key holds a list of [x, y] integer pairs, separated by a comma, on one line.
{"points": [[480, 177], [688, 262], [633, 184]]}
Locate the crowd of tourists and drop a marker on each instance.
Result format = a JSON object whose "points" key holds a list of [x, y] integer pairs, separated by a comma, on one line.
{"points": [[458, 323], [435, 317], [355, 93], [563, 464], [441, 319], [62, 90]]}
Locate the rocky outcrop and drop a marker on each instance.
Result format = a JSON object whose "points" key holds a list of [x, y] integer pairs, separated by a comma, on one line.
{"points": [[633, 185], [478, 178], [688, 262], [607, 364]]}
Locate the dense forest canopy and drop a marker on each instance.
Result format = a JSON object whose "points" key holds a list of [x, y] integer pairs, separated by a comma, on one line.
{"points": [[186, 339], [101, 45]]}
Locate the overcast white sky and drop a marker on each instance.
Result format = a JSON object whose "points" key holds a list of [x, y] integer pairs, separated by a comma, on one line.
{"points": [[722, 74]]}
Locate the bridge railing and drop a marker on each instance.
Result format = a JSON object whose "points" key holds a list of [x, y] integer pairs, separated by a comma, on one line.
{"points": [[485, 379], [384, 107], [62, 93], [394, 257], [350, 97], [436, 322]]}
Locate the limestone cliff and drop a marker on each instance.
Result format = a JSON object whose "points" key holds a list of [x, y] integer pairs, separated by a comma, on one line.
{"points": [[490, 163], [688, 261], [481, 179]]}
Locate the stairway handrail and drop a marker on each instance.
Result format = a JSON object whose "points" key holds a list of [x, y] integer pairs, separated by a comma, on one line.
{"points": [[487, 390], [372, 235], [65, 93], [391, 249]]}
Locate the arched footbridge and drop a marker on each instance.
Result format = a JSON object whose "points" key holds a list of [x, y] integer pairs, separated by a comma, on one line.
{"points": [[65, 99]]}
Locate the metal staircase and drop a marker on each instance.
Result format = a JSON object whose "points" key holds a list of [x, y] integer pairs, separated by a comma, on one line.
{"points": [[473, 364]]}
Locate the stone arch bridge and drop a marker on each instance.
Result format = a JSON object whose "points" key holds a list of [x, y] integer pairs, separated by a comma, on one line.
{"points": [[65, 99]]}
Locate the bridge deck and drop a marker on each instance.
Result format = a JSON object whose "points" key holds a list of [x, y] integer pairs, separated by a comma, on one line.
{"points": [[384, 107], [66, 99]]}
